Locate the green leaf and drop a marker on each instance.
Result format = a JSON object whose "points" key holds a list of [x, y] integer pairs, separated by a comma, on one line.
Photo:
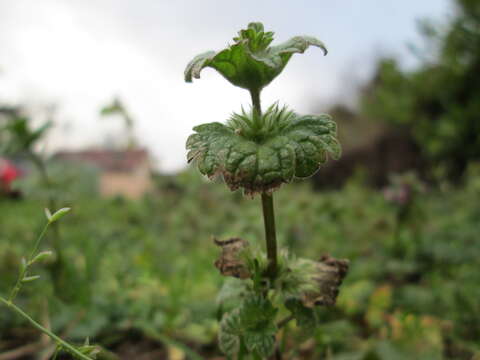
{"points": [[23, 265], [89, 350], [41, 256], [232, 290], [261, 343], [58, 214], [48, 214], [250, 62], [27, 279], [229, 334], [257, 316], [19, 134], [254, 323], [259, 154], [38, 133], [257, 313], [305, 317]]}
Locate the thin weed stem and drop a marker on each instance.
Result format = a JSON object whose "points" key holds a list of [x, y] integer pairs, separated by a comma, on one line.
{"points": [[69, 348]]}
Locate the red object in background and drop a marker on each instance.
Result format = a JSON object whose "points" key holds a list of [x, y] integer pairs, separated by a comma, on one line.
{"points": [[8, 173]]}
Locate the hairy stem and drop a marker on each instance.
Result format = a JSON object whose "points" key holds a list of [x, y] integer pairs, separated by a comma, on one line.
{"points": [[72, 350], [255, 95], [270, 236], [267, 206]]}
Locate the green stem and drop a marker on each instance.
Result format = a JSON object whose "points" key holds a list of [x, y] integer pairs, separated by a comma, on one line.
{"points": [[267, 206], [270, 236], [39, 240], [255, 95], [24, 270], [56, 268], [51, 335], [257, 121]]}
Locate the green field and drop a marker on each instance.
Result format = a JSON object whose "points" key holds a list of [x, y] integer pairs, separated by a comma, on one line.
{"points": [[137, 276]]}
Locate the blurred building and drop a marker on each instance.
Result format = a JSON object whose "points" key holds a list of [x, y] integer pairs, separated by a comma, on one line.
{"points": [[121, 173]]}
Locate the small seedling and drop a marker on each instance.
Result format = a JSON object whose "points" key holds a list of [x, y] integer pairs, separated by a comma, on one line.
{"points": [[258, 152], [85, 352]]}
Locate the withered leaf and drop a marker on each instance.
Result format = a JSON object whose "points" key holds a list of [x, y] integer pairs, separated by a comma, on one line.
{"points": [[329, 274], [230, 262]]}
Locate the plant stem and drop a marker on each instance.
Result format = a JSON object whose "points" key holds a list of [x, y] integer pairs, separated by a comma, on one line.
{"points": [[270, 236], [255, 95], [25, 267], [51, 335], [56, 269], [267, 206]]}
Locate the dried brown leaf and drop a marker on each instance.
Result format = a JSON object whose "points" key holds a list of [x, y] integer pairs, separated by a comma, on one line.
{"points": [[230, 262], [329, 274]]}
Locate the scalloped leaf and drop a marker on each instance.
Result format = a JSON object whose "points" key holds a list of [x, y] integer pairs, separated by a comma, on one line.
{"points": [[253, 323], [257, 314], [260, 343], [296, 149], [250, 62], [305, 317], [229, 334]]}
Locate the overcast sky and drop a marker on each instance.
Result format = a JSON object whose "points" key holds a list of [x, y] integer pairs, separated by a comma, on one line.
{"points": [[79, 54]]}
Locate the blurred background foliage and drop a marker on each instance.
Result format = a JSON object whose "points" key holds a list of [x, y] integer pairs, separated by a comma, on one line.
{"points": [[146, 267], [440, 102], [402, 205]]}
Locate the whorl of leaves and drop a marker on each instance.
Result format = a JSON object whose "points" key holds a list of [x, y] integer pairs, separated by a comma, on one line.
{"points": [[259, 153], [251, 63]]}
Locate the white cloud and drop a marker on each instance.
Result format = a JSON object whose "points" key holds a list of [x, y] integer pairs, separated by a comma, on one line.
{"points": [[79, 54]]}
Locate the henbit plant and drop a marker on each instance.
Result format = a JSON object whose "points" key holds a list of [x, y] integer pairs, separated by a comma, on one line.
{"points": [[85, 352], [258, 152]]}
